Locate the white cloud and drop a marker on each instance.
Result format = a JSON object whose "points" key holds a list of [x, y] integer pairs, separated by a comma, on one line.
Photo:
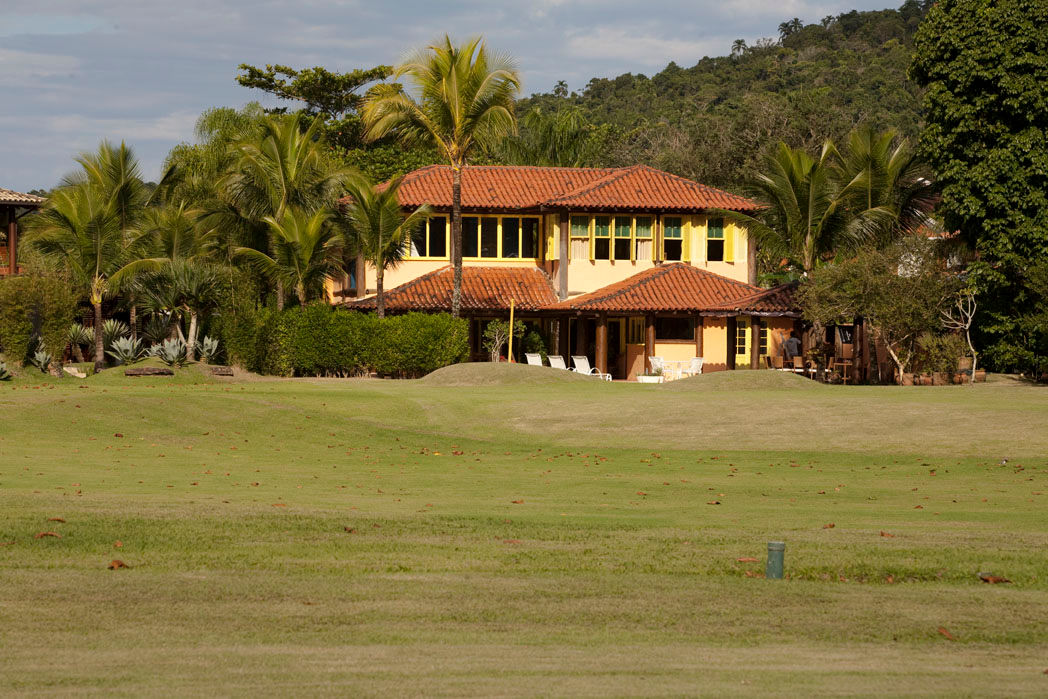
{"points": [[28, 68], [640, 47]]}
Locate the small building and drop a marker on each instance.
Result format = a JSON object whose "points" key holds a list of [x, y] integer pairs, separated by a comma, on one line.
{"points": [[618, 264], [13, 206]]}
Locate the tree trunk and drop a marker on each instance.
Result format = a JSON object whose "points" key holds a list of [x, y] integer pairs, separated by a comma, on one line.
{"points": [[975, 357], [280, 295], [380, 298], [100, 355], [456, 237], [78, 354], [134, 319], [191, 340]]}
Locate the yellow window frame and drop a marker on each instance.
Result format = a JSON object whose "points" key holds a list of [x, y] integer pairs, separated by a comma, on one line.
{"points": [[498, 235], [447, 240]]}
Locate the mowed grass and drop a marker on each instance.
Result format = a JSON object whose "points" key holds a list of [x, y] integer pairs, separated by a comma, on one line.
{"points": [[511, 531]]}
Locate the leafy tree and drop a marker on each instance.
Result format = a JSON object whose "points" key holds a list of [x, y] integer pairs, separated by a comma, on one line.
{"points": [[561, 138], [463, 100], [36, 310], [377, 229], [322, 91], [983, 65], [182, 289]]}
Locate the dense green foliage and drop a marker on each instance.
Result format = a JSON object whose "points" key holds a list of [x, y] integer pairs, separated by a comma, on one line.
{"points": [[318, 340], [985, 65], [35, 311]]}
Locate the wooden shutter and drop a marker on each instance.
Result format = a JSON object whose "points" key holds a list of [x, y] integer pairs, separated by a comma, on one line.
{"points": [[552, 235], [686, 228], [729, 241]]}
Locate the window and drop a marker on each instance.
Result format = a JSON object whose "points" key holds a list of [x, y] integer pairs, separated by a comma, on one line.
{"points": [[489, 237], [674, 329], [742, 333], [580, 226], [672, 239], [623, 237], [470, 229], [431, 238], [715, 240], [642, 235], [601, 238], [635, 332], [511, 237], [529, 238]]}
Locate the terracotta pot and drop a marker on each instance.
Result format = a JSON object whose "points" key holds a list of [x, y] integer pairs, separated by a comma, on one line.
{"points": [[940, 378], [926, 379], [907, 380], [964, 364], [980, 375], [959, 378]]}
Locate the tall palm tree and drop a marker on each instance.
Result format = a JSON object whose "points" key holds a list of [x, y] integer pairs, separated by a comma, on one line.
{"points": [[808, 218], [80, 229], [182, 288], [306, 251], [462, 99], [280, 169], [377, 229], [887, 173]]}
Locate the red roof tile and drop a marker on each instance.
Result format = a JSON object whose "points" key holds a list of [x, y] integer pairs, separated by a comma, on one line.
{"points": [[778, 301], [509, 187], [8, 196], [483, 289], [666, 288]]}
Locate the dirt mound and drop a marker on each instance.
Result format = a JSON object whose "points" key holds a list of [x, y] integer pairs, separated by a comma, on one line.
{"points": [[489, 374], [745, 381]]}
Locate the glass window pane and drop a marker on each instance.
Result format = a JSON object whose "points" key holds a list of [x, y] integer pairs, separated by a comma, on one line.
{"points": [[529, 238], [470, 224], [511, 237], [672, 227], [623, 227], [674, 329], [671, 250], [602, 249], [622, 248], [580, 226], [644, 226], [716, 228], [715, 250], [438, 237], [601, 226], [489, 237], [418, 241]]}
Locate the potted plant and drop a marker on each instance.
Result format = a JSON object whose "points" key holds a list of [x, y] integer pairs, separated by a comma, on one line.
{"points": [[650, 376]]}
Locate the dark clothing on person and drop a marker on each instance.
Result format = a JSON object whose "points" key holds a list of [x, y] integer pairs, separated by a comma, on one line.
{"points": [[793, 347]]}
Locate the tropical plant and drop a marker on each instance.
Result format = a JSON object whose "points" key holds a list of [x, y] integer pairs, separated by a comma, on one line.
{"points": [[377, 230], [41, 359], [463, 99], [181, 289], [208, 349], [156, 329], [496, 335], [305, 252], [113, 330], [78, 336], [171, 352], [126, 350], [5, 375], [553, 138]]}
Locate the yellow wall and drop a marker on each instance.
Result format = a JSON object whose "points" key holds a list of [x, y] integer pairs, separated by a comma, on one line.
{"points": [[675, 351], [714, 344]]}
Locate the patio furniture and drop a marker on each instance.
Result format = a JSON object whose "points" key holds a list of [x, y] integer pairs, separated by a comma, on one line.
{"points": [[845, 363], [557, 362], [534, 358], [582, 366], [694, 367], [658, 365]]}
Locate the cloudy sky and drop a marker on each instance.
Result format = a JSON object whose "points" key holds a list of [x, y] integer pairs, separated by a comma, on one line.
{"points": [[73, 72]]}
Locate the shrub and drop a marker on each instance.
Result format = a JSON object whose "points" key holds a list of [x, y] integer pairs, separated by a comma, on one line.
{"points": [[79, 337], [172, 352], [939, 353], [41, 360], [156, 329], [35, 307], [5, 375], [126, 350], [113, 330], [208, 349], [496, 335]]}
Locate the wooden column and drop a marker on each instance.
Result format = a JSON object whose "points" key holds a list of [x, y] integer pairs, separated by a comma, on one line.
{"points": [[564, 339], [649, 339], [602, 343], [581, 341], [732, 327], [362, 278], [12, 242], [859, 343], [698, 336], [562, 256], [755, 343], [751, 259]]}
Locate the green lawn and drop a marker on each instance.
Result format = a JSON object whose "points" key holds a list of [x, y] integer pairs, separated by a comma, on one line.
{"points": [[508, 530]]}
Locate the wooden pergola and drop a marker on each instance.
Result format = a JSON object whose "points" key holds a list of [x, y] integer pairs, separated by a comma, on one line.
{"points": [[13, 206]]}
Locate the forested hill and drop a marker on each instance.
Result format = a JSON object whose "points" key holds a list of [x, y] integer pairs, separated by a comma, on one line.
{"points": [[712, 121]]}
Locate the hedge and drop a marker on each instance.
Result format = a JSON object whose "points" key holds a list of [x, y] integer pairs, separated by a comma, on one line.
{"points": [[321, 340], [37, 307]]}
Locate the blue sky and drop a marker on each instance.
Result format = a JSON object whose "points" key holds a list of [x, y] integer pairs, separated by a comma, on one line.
{"points": [[73, 72]]}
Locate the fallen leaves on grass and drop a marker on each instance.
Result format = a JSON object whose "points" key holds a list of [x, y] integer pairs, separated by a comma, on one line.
{"points": [[517, 502], [56, 519], [279, 504], [918, 507], [118, 543], [993, 579], [829, 525], [350, 530], [886, 535], [41, 535], [116, 564], [753, 574], [747, 559], [947, 634], [713, 502], [511, 541]]}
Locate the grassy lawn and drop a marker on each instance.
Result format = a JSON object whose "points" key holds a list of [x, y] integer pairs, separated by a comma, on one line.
{"points": [[507, 531]]}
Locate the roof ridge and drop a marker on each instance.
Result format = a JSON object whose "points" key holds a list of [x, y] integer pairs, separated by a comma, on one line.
{"points": [[694, 183], [595, 185]]}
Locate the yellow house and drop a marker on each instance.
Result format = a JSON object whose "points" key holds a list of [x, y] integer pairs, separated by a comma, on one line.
{"points": [[619, 264]]}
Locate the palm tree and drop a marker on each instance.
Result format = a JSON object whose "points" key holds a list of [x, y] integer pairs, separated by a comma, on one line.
{"points": [[306, 251], [80, 228], [808, 218], [463, 99], [183, 288], [377, 229], [552, 139], [889, 176], [280, 169]]}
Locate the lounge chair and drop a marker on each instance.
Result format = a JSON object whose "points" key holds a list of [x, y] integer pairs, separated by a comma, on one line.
{"points": [[658, 365], [693, 369], [557, 362], [534, 358], [582, 366]]}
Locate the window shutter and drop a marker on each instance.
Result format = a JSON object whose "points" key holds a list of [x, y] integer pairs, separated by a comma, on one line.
{"points": [[685, 241], [729, 242], [552, 235]]}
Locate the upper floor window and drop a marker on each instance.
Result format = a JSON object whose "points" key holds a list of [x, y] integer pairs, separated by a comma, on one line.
{"points": [[500, 237], [601, 238], [715, 240], [431, 238], [672, 239], [642, 236], [613, 237]]}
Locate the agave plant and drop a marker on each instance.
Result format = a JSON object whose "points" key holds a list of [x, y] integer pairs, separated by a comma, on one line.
{"points": [[156, 329], [208, 349], [41, 360], [172, 352], [126, 350], [78, 336], [5, 375], [113, 330]]}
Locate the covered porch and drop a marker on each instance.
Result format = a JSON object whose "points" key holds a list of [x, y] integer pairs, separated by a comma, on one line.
{"points": [[13, 206]]}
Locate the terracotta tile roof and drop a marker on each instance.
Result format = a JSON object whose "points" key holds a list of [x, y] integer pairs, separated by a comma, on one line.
{"points": [[778, 301], [668, 287], [483, 289], [510, 187], [8, 196]]}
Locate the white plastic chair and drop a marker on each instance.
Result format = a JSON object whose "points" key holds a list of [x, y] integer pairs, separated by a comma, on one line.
{"points": [[582, 366], [557, 362], [658, 366], [534, 358], [693, 369]]}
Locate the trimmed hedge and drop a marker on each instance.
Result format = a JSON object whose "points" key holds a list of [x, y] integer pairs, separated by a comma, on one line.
{"points": [[35, 306], [321, 340]]}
